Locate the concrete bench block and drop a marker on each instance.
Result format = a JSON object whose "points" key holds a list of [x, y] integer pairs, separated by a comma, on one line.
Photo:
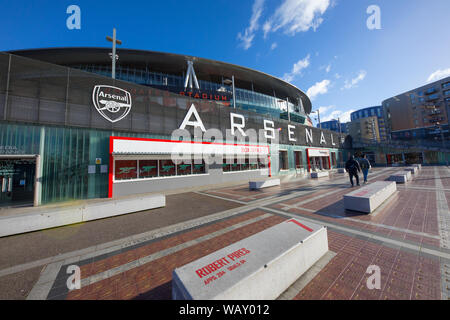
{"points": [[123, 206], [10, 225], [260, 267], [419, 166], [368, 198], [414, 170], [341, 170], [401, 176], [45, 218], [255, 185], [320, 174]]}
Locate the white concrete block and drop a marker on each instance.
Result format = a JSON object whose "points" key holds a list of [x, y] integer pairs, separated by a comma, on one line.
{"points": [[123, 206], [319, 174], [263, 184], [401, 176], [260, 267], [369, 198], [45, 218], [22, 223], [414, 170], [419, 166]]}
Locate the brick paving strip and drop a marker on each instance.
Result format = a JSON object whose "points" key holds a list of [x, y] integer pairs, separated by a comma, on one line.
{"points": [[444, 228], [141, 261], [153, 279], [404, 274], [442, 210], [370, 223]]}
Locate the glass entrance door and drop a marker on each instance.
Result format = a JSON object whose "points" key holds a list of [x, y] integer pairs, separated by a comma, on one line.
{"points": [[17, 181]]}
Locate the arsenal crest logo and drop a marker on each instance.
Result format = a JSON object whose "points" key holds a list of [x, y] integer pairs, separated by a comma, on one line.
{"points": [[112, 103]]}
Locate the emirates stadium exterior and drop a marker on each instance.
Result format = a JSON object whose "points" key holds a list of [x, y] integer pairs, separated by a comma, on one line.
{"points": [[69, 131]]}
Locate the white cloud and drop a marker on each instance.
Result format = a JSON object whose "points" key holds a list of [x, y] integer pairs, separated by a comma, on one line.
{"points": [[294, 16], [325, 115], [351, 84], [438, 75], [249, 33], [337, 76], [274, 46], [297, 69], [318, 88]]}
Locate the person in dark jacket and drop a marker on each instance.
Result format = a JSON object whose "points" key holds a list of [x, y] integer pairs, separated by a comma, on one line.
{"points": [[365, 167], [352, 167]]}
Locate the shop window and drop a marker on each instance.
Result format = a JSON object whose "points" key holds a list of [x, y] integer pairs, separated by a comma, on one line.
{"points": [[236, 165], [333, 158], [199, 168], [298, 159], [166, 168], [253, 162], [126, 169], [284, 164], [184, 168], [245, 165], [226, 165], [148, 168], [263, 163]]}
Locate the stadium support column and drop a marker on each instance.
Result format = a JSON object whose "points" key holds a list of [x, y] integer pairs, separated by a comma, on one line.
{"points": [[234, 93]]}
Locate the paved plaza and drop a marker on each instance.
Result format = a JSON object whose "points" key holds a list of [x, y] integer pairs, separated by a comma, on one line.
{"points": [[133, 256]]}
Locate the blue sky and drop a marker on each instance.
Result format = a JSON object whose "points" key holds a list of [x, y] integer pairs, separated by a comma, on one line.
{"points": [[324, 47]]}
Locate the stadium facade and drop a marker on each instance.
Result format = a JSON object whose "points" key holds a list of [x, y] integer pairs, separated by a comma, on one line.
{"points": [[69, 131]]}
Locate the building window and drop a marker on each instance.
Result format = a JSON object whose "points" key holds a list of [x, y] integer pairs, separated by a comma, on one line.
{"points": [[333, 158], [147, 168], [298, 159], [184, 168], [236, 165], [284, 163], [166, 168], [245, 165], [199, 168], [262, 163], [126, 169], [253, 161]]}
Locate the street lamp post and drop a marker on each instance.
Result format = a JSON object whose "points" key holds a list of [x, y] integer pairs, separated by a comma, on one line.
{"points": [[114, 42]]}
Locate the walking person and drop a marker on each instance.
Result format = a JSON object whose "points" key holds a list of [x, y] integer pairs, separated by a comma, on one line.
{"points": [[352, 167], [365, 167]]}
